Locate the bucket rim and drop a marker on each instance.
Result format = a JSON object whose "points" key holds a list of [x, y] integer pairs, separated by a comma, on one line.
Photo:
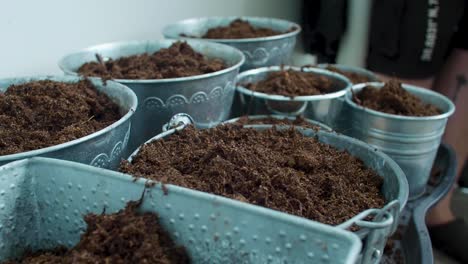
{"points": [[124, 90], [169, 33], [349, 68], [303, 98], [403, 193], [409, 88], [240, 59], [256, 117]]}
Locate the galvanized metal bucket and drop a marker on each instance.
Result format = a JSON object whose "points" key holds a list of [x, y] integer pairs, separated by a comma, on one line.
{"points": [[352, 69], [410, 141], [259, 52], [324, 108], [373, 232], [104, 148], [280, 117], [44, 201], [206, 97]]}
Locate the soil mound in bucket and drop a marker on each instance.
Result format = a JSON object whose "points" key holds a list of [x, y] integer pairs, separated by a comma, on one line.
{"points": [[123, 237], [179, 60], [394, 99], [240, 29], [282, 170], [292, 83], [44, 113], [297, 121], [352, 76]]}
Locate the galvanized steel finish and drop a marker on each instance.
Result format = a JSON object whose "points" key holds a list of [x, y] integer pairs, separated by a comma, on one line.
{"points": [[411, 141], [104, 148], [44, 205], [259, 52], [324, 108], [207, 98], [394, 189]]}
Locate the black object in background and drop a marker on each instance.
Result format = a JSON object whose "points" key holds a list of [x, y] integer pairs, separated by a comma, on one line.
{"points": [[323, 24], [463, 181]]}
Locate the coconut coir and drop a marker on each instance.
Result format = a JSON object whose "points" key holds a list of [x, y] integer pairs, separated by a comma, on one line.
{"points": [[298, 121], [239, 29], [179, 60], [124, 237], [355, 78], [292, 83], [281, 170], [44, 113], [392, 98]]}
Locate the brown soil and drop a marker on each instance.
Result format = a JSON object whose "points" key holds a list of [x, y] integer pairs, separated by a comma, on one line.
{"points": [[240, 29], [179, 60], [353, 77], [393, 99], [281, 170], [298, 121], [40, 114], [123, 237], [292, 83]]}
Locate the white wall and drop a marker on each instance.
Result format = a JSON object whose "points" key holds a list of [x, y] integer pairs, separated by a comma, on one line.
{"points": [[34, 35]]}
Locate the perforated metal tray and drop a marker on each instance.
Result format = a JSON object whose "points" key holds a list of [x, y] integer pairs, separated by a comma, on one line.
{"points": [[42, 203]]}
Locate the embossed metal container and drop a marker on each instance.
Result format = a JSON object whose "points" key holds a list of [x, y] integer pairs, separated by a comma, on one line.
{"points": [[410, 141], [375, 232], [324, 108], [280, 117], [259, 52], [207, 98], [104, 148], [44, 207]]}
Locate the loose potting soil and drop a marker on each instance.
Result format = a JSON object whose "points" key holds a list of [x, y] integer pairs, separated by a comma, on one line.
{"points": [[179, 60], [298, 121], [393, 99], [353, 77], [281, 170], [123, 237], [44, 113], [239, 29], [292, 83]]}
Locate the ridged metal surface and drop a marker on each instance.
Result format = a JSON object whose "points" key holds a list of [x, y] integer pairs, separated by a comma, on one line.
{"points": [[104, 148]]}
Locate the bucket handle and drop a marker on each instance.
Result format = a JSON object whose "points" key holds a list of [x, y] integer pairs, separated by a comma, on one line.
{"points": [[380, 228], [178, 120]]}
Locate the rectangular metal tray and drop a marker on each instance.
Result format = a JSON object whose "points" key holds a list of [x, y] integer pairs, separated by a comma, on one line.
{"points": [[42, 203]]}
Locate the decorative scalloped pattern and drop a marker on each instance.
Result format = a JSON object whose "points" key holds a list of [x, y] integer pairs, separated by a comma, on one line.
{"points": [[261, 55], [103, 160], [154, 103]]}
